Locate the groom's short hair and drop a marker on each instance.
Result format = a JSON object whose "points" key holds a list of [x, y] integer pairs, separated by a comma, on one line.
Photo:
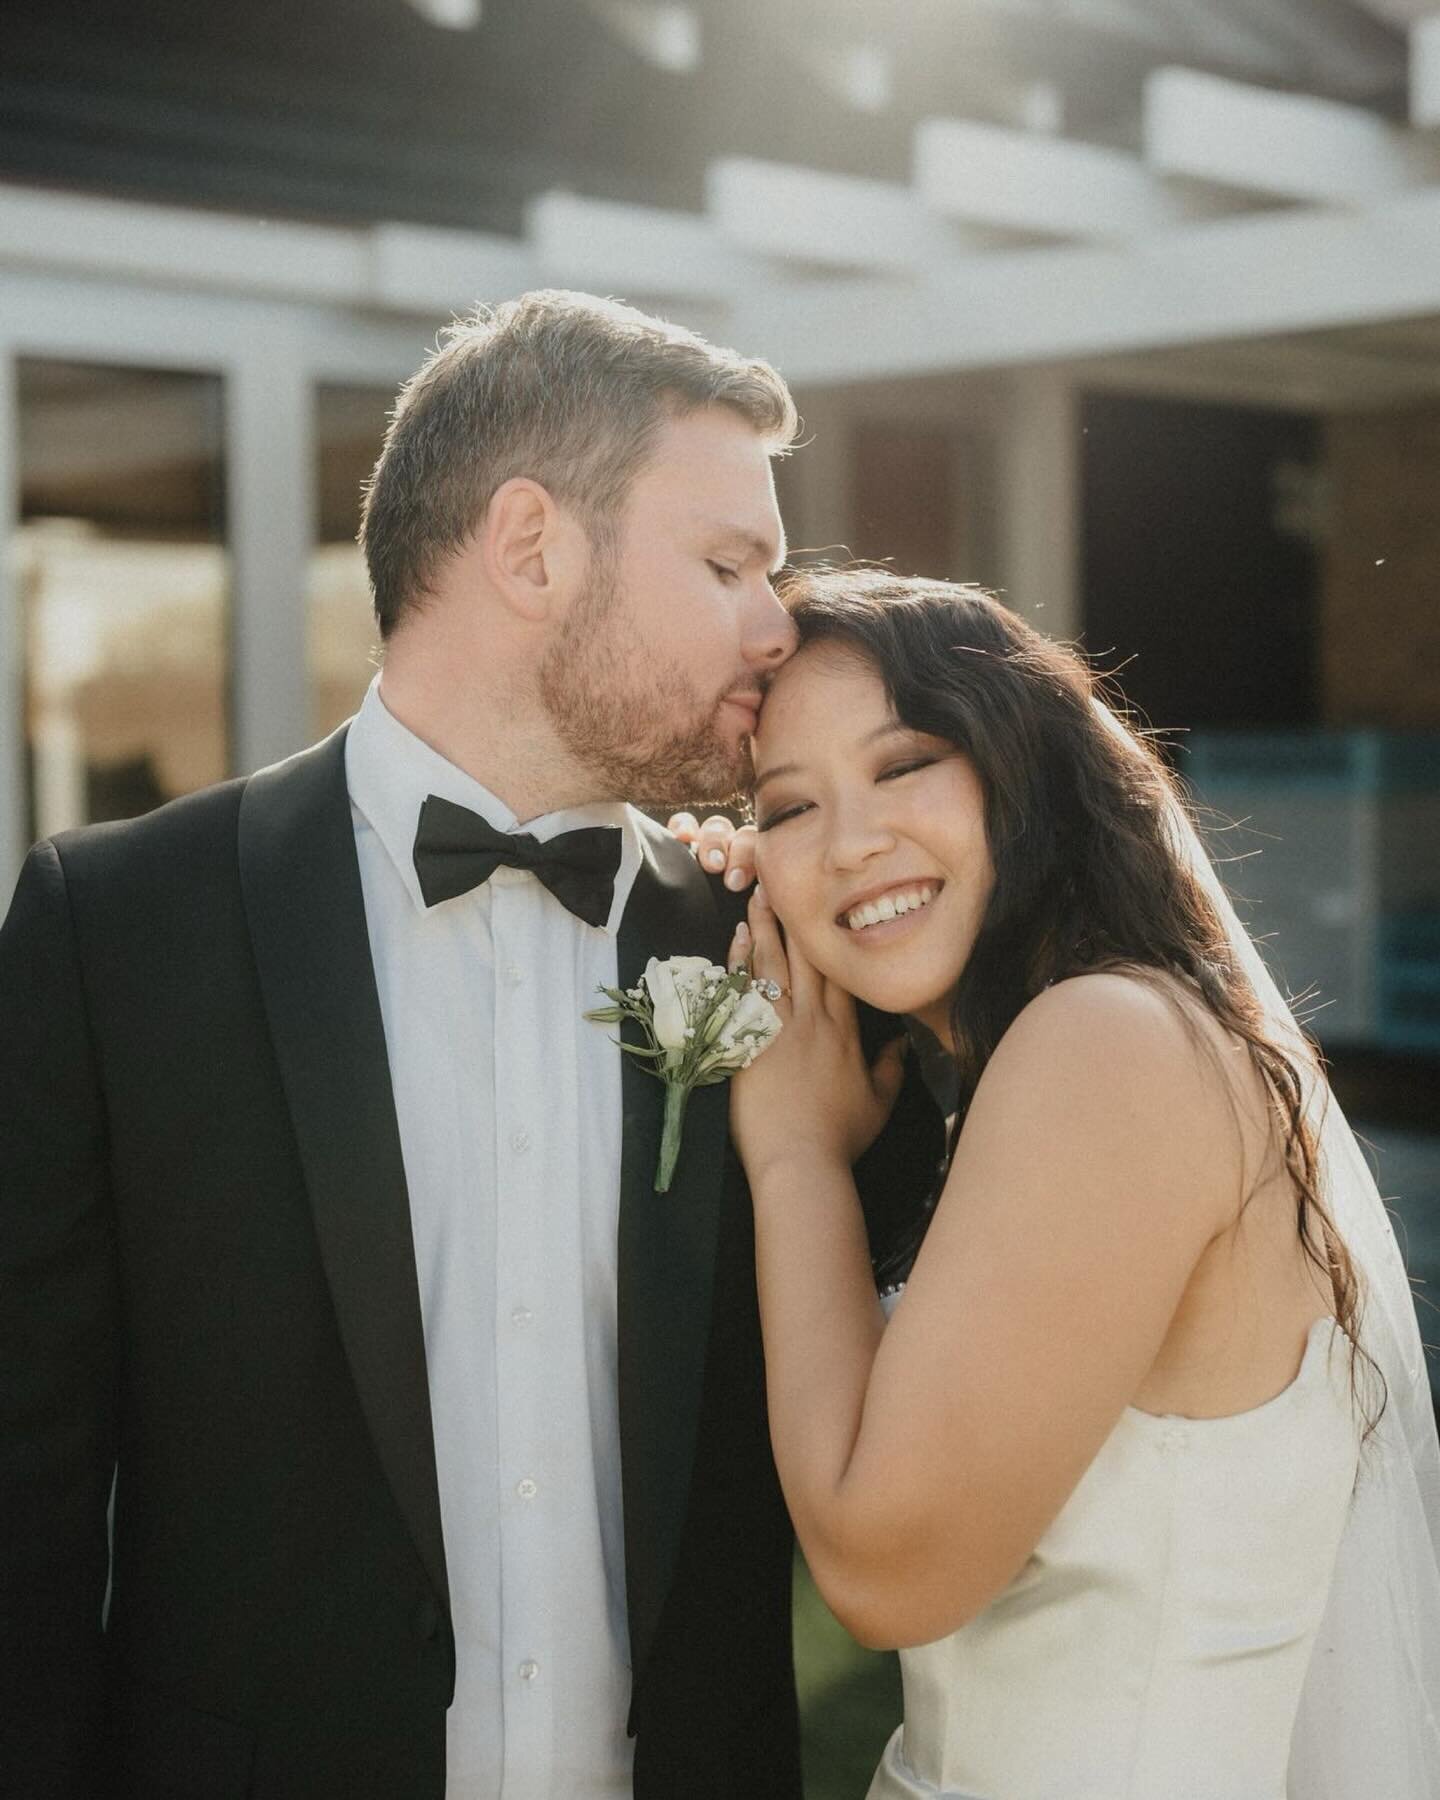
{"points": [[565, 388]]}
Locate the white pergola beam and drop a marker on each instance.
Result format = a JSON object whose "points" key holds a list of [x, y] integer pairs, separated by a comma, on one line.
{"points": [[1013, 180], [1425, 72], [175, 244], [396, 268], [615, 248], [666, 36], [1274, 272], [1288, 146], [417, 268], [835, 221]]}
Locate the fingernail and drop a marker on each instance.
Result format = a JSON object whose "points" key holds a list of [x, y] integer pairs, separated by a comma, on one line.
{"points": [[735, 880], [715, 859], [760, 893], [742, 933]]}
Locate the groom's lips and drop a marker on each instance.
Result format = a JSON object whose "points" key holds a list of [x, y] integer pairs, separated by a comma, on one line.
{"points": [[747, 705]]}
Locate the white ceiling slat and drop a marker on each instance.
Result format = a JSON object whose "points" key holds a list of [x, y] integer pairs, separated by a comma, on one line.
{"points": [[451, 15], [1295, 270], [179, 244], [834, 221], [1013, 180], [405, 268], [616, 248], [1425, 72], [421, 268], [1289, 146], [666, 36]]}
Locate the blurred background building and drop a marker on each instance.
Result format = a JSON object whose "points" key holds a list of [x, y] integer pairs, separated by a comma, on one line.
{"points": [[1128, 308]]}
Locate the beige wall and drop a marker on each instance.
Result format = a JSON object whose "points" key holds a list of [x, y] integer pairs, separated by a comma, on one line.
{"points": [[1380, 597]]}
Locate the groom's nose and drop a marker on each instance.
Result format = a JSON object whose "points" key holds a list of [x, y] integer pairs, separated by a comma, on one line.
{"points": [[770, 634]]}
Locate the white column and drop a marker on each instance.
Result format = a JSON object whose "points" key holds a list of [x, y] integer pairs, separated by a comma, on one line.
{"points": [[270, 483], [1040, 502]]}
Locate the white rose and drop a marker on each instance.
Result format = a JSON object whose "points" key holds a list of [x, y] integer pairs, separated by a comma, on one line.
{"points": [[676, 990], [667, 1012]]}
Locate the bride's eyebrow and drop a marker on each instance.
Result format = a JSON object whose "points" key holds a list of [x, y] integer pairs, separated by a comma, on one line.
{"points": [[891, 728], [773, 775]]}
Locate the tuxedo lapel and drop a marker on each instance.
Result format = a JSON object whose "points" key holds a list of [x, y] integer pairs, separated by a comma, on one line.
{"points": [[666, 1247], [303, 900]]}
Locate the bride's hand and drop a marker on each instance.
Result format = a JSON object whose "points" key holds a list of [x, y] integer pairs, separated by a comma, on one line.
{"points": [[718, 844], [810, 1094]]}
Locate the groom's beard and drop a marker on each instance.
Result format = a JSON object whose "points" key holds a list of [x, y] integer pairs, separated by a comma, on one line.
{"points": [[641, 726]]}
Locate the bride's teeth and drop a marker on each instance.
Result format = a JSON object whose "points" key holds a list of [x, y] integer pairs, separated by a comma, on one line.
{"points": [[888, 906]]}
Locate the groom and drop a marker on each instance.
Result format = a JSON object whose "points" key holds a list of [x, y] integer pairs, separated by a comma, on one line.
{"points": [[327, 1231]]}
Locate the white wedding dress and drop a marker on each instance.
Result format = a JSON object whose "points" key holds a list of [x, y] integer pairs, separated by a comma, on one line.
{"points": [[1211, 1584], [1155, 1645]]}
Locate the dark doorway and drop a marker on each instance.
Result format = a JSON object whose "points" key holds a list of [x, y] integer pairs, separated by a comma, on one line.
{"points": [[1200, 562]]}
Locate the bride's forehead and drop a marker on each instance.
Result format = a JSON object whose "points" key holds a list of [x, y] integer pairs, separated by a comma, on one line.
{"points": [[814, 678]]}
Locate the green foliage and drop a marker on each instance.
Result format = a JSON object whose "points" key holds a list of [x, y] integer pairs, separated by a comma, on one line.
{"points": [[849, 1699]]}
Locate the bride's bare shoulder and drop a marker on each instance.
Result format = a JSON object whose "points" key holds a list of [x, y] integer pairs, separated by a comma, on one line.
{"points": [[1123, 1057], [1130, 1012]]}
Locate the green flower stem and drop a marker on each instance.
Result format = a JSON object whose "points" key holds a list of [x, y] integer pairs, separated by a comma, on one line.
{"points": [[676, 1095]]}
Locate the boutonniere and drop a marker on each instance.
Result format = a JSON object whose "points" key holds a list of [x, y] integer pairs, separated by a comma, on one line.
{"points": [[699, 1026]]}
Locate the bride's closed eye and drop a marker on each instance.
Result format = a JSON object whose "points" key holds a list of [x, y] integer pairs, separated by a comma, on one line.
{"points": [[906, 768], [910, 767], [781, 814]]}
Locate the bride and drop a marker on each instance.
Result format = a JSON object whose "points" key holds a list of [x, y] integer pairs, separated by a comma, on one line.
{"points": [[1135, 1466]]}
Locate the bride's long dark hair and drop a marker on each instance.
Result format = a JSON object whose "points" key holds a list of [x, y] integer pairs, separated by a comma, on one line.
{"points": [[1080, 820]]}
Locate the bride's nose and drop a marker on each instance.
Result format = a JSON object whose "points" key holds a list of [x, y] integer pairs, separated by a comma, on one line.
{"points": [[858, 834]]}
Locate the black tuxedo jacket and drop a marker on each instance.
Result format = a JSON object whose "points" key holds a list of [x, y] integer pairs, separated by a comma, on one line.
{"points": [[208, 1294]]}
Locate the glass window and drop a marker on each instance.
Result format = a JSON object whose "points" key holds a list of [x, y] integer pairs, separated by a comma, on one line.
{"points": [[344, 644], [123, 589]]}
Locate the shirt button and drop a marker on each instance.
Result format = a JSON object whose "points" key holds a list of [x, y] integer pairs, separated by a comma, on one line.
{"points": [[529, 1670], [522, 1315], [520, 1142], [514, 974], [526, 1489]]}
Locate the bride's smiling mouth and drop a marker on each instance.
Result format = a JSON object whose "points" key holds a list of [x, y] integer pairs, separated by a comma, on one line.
{"points": [[877, 914]]}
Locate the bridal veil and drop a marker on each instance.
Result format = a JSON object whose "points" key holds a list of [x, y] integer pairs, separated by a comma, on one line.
{"points": [[1369, 1720]]}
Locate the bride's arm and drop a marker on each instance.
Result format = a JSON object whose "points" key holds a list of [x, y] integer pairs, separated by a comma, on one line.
{"points": [[923, 1461]]}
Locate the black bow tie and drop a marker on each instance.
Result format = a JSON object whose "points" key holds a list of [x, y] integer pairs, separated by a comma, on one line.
{"points": [[455, 850]]}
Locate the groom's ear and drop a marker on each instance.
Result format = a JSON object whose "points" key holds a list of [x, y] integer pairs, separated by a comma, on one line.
{"points": [[533, 551]]}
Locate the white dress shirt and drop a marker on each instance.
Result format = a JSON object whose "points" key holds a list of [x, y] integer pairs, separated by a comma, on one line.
{"points": [[510, 1124]]}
